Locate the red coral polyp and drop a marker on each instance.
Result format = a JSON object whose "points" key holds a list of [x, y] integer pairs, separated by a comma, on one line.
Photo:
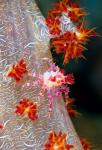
{"points": [[53, 25], [53, 20], [69, 79], [60, 7], [27, 108], [1, 126], [75, 12], [17, 71], [86, 144], [68, 44], [57, 142], [83, 33], [71, 43], [70, 107]]}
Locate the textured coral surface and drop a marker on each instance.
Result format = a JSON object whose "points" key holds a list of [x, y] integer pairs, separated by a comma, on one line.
{"points": [[24, 35]]}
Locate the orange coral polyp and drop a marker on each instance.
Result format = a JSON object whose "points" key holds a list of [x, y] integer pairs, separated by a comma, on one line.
{"points": [[53, 25], [71, 43], [57, 142], [70, 107], [65, 6], [75, 12], [86, 144], [83, 34], [68, 44], [1, 126], [61, 7], [17, 71], [27, 108]]}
